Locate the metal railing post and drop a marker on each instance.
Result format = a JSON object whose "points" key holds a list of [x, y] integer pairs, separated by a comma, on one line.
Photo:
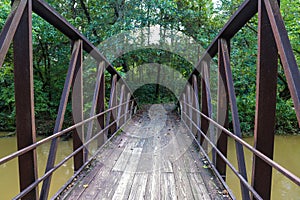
{"points": [[222, 114], [100, 108], [25, 119], [78, 133], [266, 86], [111, 104], [196, 116]]}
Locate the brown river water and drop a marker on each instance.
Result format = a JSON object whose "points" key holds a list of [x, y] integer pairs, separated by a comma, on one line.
{"points": [[287, 152]]}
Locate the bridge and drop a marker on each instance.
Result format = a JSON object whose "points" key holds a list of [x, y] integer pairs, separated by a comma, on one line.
{"points": [[161, 151]]}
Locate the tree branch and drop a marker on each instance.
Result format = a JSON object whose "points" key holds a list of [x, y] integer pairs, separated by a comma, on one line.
{"points": [[88, 16]]}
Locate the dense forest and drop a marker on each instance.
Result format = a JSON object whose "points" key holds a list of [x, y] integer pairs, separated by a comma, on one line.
{"points": [[100, 20]]}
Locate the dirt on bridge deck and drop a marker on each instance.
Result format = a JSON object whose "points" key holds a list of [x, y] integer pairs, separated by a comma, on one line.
{"points": [[154, 158]]}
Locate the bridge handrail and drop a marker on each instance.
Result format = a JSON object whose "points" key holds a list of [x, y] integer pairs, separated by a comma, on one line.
{"points": [[271, 162], [21, 16], [273, 43], [50, 172], [58, 134], [234, 170]]}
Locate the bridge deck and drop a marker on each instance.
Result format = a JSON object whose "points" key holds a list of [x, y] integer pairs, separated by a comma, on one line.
{"points": [[154, 158]]}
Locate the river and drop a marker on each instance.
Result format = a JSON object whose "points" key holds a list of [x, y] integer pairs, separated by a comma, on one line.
{"points": [[9, 184], [287, 151]]}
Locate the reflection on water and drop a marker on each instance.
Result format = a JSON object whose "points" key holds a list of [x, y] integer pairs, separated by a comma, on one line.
{"points": [[9, 183], [286, 153]]}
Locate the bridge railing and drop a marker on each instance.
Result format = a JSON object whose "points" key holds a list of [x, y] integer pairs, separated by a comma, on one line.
{"points": [[196, 100], [18, 29]]}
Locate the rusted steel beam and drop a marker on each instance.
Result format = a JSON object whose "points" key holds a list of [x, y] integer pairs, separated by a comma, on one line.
{"points": [[60, 117], [120, 108], [127, 107], [114, 112], [110, 105], [222, 114], [196, 116], [78, 133], [264, 132], [189, 100], [10, 28], [183, 107], [235, 116], [206, 107], [132, 107], [286, 54], [24, 91], [100, 108], [100, 72], [192, 98]]}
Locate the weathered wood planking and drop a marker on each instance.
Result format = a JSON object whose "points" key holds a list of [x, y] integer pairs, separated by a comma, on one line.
{"points": [[153, 159]]}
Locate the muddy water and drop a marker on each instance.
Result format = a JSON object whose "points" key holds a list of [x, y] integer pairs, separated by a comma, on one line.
{"points": [[9, 185], [287, 151], [287, 154]]}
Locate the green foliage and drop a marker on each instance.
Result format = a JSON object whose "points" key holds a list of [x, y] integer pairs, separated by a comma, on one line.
{"points": [[100, 20], [7, 100], [243, 61], [147, 94]]}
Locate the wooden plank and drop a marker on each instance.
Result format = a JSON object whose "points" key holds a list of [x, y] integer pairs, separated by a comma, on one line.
{"points": [[103, 185], [153, 186], [198, 186], [124, 186], [109, 154], [174, 166], [84, 182], [168, 190], [211, 182], [124, 157], [183, 188], [145, 163], [106, 187], [108, 179], [138, 190]]}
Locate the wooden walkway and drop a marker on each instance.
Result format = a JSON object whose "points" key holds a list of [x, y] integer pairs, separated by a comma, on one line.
{"points": [[154, 158]]}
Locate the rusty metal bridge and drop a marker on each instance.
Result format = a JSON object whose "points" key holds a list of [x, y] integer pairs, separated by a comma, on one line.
{"points": [[112, 170]]}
